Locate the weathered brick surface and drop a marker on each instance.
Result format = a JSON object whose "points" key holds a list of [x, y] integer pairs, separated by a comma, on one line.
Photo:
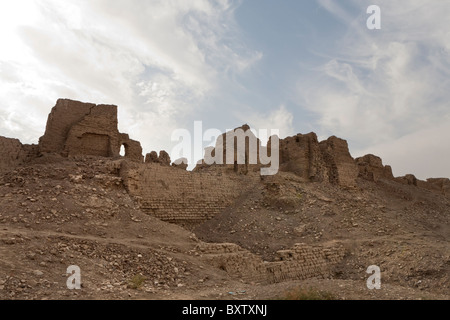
{"points": [[342, 169], [371, 168], [237, 150], [11, 150], [438, 184], [328, 160], [408, 179], [65, 114], [14, 153], [301, 155], [300, 262], [95, 134], [76, 128], [163, 158], [180, 196]]}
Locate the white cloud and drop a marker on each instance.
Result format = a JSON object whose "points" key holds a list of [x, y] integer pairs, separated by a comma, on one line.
{"points": [[278, 119], [424, 153], [156, 59], [383, 88]]}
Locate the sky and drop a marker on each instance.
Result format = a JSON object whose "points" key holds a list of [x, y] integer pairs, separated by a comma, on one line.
{"points": [[295, 66]]}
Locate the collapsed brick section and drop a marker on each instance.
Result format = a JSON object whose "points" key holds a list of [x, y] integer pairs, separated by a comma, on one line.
{"points": [[76, 128], [299, 263], [179, 196]]}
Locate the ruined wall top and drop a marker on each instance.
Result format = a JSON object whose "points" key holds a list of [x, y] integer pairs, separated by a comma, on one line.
{"points": [[65, 114], [76, 128]]}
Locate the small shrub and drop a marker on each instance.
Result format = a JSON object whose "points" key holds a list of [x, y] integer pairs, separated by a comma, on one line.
{"points": [[137, 281]]}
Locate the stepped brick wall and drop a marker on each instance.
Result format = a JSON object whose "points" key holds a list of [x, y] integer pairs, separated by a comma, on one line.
{"points": [[180, 196]]}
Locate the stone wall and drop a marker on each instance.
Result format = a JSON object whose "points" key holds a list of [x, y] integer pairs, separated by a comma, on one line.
{"points": [[180, 196], [300, 262], [304, 261], [440, 185], [303, 155]]}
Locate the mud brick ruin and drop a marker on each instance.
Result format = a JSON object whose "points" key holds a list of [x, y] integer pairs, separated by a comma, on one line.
{"points": [[173, 194], [75, 128], [301, 262]]}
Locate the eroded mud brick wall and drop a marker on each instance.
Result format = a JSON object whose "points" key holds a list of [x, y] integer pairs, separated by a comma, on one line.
{"points": [[371, 168], [62, 118], [303, 262], [301, 155], [76, 128], [14, 153], [11, 150], [328, 161], [96, 134], [299, 263], [180, 196], [342, 169]]}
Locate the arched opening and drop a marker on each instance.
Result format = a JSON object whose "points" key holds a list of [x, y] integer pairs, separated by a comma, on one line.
{"points": [[123, 150]]}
